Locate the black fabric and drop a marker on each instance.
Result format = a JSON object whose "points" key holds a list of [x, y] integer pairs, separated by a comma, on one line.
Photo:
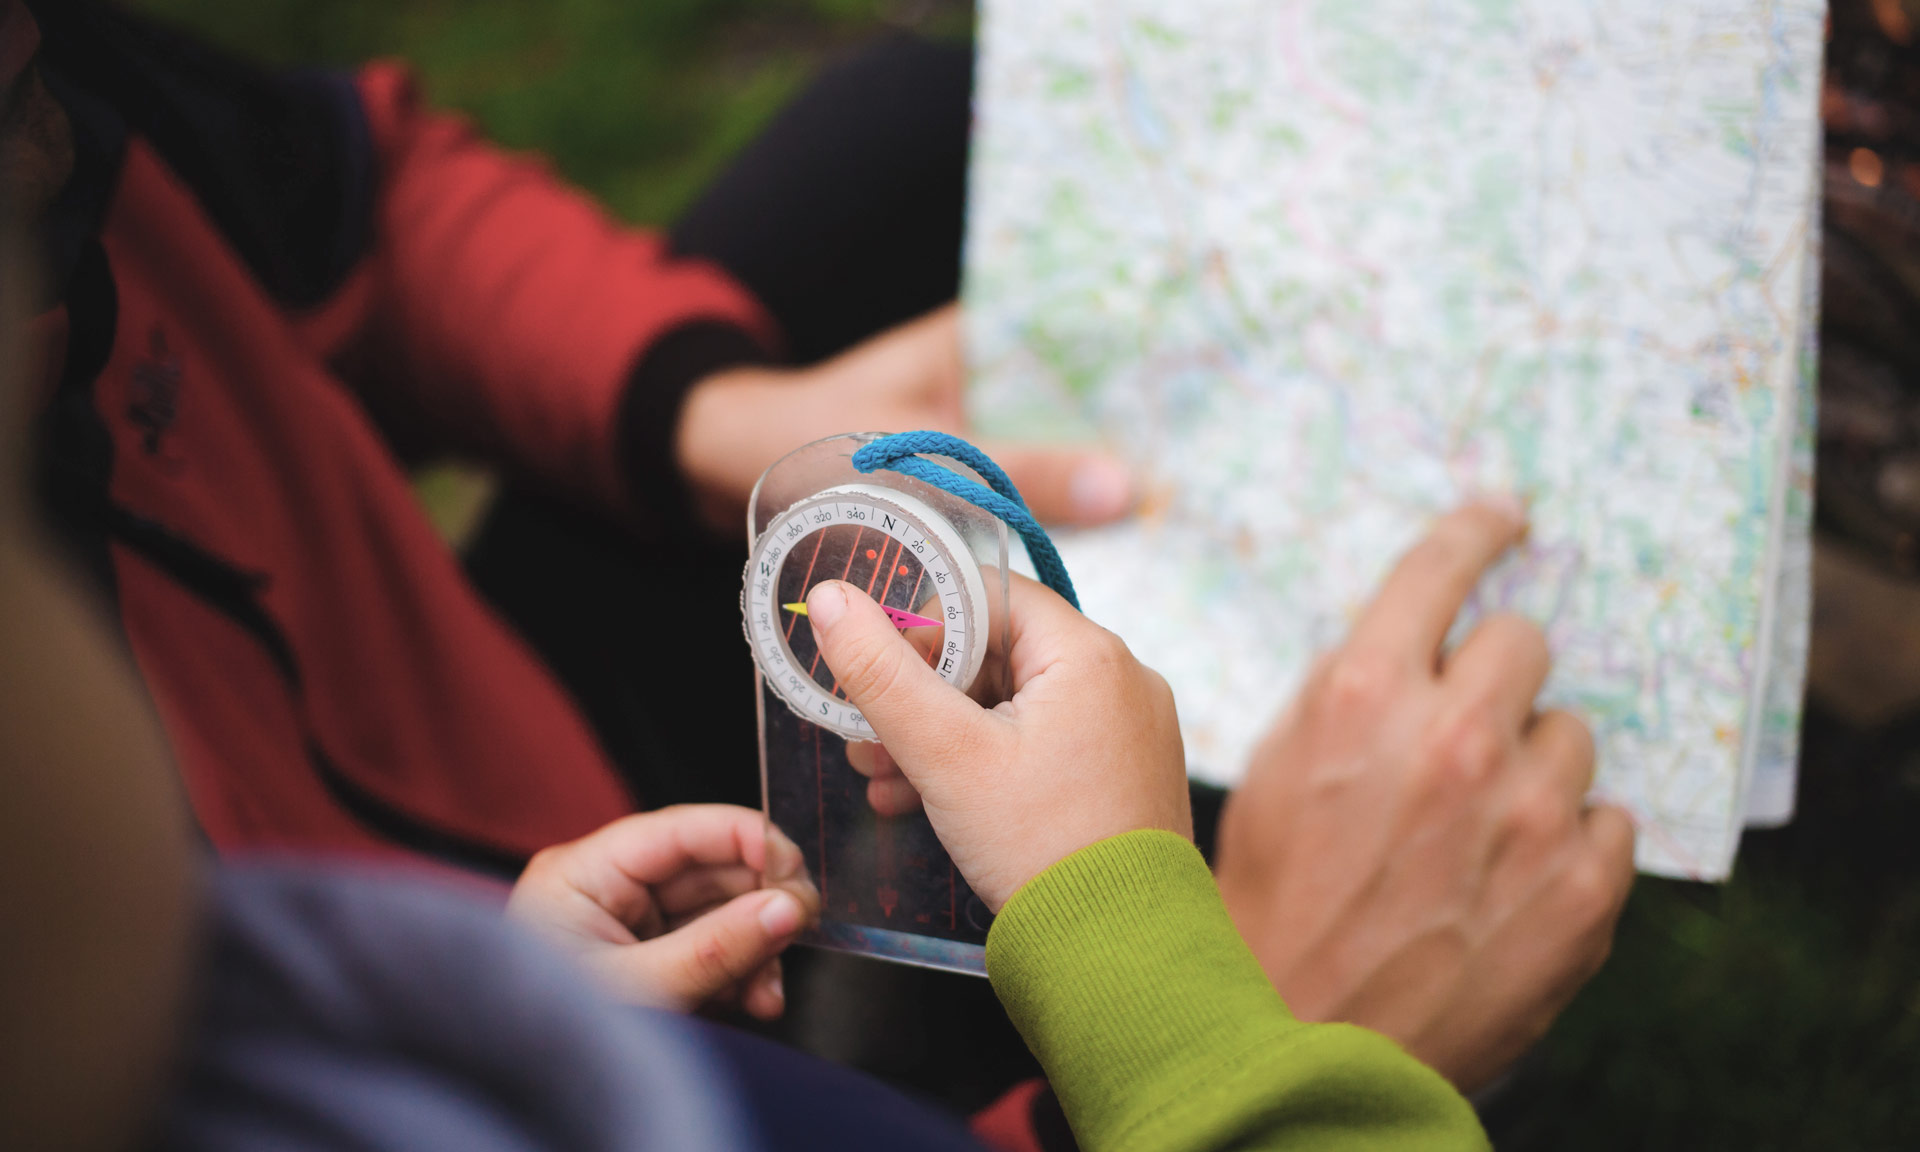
{"points": [[74, 451], [228, 590], [645, 638], [797, 1102], [1207, 803], [73, 465], [650, 412], [397, 826], [282, 162], [1049, 1123], [69, 233], [846, 216]]}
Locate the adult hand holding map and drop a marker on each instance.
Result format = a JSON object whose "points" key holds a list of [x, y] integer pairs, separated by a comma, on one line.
{"points": [[1323, 270], [1411, 849]]}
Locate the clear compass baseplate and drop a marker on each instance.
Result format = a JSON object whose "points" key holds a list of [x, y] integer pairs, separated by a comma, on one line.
{"points": [[939, 565]]}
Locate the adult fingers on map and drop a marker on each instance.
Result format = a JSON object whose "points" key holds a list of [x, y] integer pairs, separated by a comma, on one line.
{"points": [[679, 908], [736, 423], [1562, 742], [1504, 663], [1411, 848], [1068, 486], [1416, 605], [1088, 747]]}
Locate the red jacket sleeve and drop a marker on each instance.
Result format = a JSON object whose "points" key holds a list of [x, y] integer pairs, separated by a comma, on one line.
{"points": [[1027, 1118], [517, 322]]}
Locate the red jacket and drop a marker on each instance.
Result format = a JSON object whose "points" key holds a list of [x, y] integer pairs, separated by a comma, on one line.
{"points": [[265, 284], [269, 288]]}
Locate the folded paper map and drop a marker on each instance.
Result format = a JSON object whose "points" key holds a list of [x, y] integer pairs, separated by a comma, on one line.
{"points": [[1322, 269]]}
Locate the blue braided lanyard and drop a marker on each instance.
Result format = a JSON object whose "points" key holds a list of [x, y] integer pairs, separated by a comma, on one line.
{"points": [[901, 453]]}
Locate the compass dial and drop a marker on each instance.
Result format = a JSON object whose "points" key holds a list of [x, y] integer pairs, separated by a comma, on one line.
{"points": [[896, 548]]}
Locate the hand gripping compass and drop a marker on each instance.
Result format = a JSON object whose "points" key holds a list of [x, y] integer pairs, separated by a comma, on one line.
{"points": [[928, 541]]}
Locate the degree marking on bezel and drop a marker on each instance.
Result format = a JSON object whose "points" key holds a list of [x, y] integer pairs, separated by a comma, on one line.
{"points": [[937, 546]]}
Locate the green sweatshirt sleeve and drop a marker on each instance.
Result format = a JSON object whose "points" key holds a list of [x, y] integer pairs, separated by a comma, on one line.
{"points": [[1159, 1031]]}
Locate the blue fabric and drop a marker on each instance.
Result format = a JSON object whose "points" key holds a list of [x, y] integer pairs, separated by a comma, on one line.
{"points": [[361, 1011], [901, 453], [354, 1010]]}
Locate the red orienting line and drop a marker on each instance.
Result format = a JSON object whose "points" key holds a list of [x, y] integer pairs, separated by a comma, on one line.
{"points": [[851, 553], [806, 585], [888, 587], [881, 563]]}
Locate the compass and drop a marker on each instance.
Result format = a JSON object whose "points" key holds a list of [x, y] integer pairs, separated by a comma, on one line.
{"points": [[922, 522], [901, 552]]}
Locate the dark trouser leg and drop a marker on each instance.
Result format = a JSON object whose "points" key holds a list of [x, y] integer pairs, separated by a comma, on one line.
{"points": [[846, 216]]}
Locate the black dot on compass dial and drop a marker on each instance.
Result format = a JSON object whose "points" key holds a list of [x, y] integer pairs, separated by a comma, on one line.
{"points": [[885, 568]]}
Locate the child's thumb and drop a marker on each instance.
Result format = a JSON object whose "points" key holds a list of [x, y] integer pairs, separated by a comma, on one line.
{"points": [[919, 716], [702, 960]]}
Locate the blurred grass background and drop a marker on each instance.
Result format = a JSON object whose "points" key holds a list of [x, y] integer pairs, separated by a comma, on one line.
{"points": [[1781, 1011], [639, 101]]}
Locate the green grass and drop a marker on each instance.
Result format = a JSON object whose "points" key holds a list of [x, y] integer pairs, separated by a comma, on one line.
{"points": [[639, 100], [1779, 1011]]}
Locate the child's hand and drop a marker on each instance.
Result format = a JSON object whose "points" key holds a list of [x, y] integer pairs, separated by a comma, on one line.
{"points": [[665, 907], [1088, 747]]}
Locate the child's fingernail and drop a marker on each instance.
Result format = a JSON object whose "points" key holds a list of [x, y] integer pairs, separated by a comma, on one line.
{"points": [[774, 986], [781, 914], [826, 604], [1100, 490]]}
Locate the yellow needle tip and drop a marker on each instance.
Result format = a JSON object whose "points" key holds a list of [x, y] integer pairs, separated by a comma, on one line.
{"points": [[799, 608]]}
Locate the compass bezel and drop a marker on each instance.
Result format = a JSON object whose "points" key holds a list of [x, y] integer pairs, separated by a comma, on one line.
{"points": [[938, 547]]}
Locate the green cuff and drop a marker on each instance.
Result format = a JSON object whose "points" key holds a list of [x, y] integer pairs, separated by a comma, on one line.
{"points": [[1159, 1030]]}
